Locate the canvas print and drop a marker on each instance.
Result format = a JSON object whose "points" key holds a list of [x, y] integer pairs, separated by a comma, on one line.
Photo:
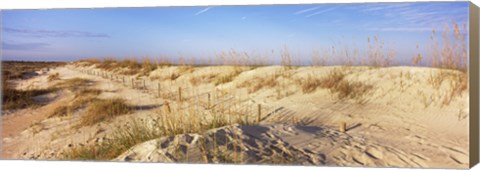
{"points": [[360, 84]]}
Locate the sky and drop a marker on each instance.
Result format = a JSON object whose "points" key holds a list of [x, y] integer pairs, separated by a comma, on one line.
{"points": [[204, 31]]}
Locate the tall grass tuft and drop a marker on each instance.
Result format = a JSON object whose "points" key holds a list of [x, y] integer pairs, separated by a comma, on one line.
{"points": [[120, 141], [19, 99], [53, 77], [104, 109], [258, 83], [449, 52]]}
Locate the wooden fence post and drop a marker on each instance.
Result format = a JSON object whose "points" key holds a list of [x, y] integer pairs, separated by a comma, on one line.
{"points": [[179, 94], [259, 113], [209, 99], [166, 107], [133, 84], [343, 126], [144, 85]]}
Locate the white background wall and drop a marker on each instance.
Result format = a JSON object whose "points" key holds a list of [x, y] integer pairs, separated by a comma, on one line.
{"points": [[48, 4]]}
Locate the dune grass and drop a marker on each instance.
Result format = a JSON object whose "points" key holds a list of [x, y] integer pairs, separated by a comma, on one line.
{"points": [[104, 109], [337, 84], [222, 79], [19, 99], [53, 77], [204, 79], [260, 82], [141, 130], [81, 99], [173, 120], [73, 84], [351, 90], [120, 141], [311, 83]]}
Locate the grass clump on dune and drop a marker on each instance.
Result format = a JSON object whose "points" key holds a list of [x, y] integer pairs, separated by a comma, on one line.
{"points": [[19, 99], [104, 109], [121, 140], [311, 83], [72, 84], [351, 90], [258, 83], [173, 121], [81, 99], [222, 79], [337, 84], [53, 77]]}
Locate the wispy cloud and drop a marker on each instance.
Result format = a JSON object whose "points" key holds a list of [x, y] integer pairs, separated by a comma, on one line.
{"points": [[306, 10], [23, 46], [320, 12], [402, 29], [243, 18], [41, 33], [203, 11], [382, 7], [424, 15]]}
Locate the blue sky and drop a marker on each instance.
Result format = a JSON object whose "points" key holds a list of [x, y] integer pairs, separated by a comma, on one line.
{"points": [[201, 32]]}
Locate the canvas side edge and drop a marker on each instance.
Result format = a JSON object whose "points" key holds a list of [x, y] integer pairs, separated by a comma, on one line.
{"points": [[473, 84]]}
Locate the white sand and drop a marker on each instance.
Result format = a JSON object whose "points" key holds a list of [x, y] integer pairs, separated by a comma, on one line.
{"points": [[402, 122]]}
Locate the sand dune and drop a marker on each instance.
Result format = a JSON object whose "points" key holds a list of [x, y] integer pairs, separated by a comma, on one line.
{"points": [[403, 119]]}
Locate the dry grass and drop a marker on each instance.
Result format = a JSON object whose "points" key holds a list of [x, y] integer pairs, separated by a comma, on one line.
{"points": [[87, 62], [258, 83], [185, 69], [218, 79], [332, 78], [449, 52], [173, 121], [351, 90], [337, 84], [147, 66], [378, 54], [53, 77], [196, 80], [311, 83], [21, 69], [417, 58], [121, 140], [83, 95], [60, 111], [178, 120], [222, 79], [104, 109], [126, 66], [82, 98], [173, 76], [72, 83], [181, 70], [457, 81], [19, 99]]}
